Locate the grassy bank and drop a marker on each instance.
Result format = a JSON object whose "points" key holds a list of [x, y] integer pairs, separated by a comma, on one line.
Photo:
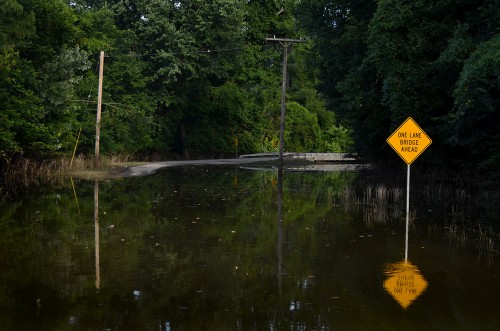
{"points": [[26, 172]]}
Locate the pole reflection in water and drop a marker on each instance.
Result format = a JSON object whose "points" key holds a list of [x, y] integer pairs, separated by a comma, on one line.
{"points": [[404, 281], [74, 194], [279, 248], [96, 226]]}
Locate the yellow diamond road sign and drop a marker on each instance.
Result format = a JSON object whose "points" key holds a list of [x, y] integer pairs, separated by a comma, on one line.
{"points": [[409, 140]]}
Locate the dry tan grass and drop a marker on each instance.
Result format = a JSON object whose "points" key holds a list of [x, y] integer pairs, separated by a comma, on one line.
{"points": [[25, 172]]}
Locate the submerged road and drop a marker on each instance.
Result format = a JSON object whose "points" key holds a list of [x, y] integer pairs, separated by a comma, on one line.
{"points": [[151, 168], [327, 162]]}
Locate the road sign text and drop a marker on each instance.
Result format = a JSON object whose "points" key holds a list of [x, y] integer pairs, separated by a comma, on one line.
{"points": [[409, 140]]}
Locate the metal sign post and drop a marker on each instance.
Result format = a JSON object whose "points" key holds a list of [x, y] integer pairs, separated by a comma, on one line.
{"points": [[409, 141], [407, 210]]}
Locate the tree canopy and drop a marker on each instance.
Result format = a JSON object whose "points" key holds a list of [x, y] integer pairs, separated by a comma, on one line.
{"points": [[436, 61], [192, 78]]}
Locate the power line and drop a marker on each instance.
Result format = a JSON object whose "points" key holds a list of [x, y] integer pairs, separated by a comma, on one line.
{"points": [[200, 51], [268, 46]]}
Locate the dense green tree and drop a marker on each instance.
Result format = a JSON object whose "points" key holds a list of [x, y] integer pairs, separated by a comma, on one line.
{"points": [[180, 77], [338, 35], [260, 71], [405, 39], [432, 60], [302, 132], [21, 121], [337, 30], [16, 24], [476, 116], [16, 21], [196, 78], [127, 125], [40, 72], [185, 39], [423, 52]]}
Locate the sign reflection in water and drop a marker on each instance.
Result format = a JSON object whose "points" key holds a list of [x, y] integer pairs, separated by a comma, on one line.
{"points": [[404, 281]]}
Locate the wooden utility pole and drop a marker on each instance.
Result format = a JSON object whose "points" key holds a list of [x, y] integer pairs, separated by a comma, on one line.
{"points": [[97, 161], [285, 42]]}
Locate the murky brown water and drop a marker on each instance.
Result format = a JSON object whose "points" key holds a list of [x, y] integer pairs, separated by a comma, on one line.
{"points": [[237, 249]]}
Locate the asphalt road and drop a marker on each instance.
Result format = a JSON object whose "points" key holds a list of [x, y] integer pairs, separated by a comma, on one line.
{"points": [[254, 161], [151, 168]]}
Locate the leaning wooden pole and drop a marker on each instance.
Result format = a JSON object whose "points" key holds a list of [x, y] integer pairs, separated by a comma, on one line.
{"points": [[97, 161]]}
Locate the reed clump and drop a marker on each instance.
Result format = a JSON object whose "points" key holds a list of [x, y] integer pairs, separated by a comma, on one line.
{"points": [[486, 242], [384, 205], [24, 172], [467, 237], [379, 204], [455, 208], [457, 235]]}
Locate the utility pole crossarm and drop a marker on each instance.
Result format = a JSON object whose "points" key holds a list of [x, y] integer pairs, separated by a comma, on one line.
{"points": [[286, 40]]}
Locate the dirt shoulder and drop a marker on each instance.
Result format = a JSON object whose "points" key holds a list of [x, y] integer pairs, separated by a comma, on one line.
{"points": [[115, 170]]}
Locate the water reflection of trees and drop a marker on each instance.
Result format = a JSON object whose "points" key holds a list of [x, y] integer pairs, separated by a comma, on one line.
{"points": [[196, 260], [173, 233]]}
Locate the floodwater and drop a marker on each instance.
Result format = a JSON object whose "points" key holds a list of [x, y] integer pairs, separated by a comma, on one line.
{"points": [[227, 248]]}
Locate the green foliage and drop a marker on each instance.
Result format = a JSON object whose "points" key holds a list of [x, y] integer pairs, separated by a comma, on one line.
{"points": [[21, 125], [40, 72], [422, 66], [180, 77], [476, 115], [436, 61], [188, 77], [302, 131], [184, 40], [346, 86], [223, 115], [304, 134], [16, 21]]}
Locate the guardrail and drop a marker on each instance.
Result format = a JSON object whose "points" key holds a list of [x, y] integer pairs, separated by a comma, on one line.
{"points": [[313, 157]]}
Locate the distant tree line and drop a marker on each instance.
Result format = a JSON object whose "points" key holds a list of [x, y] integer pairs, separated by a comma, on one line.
{"points": [[196, 78], [186, 78]]}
